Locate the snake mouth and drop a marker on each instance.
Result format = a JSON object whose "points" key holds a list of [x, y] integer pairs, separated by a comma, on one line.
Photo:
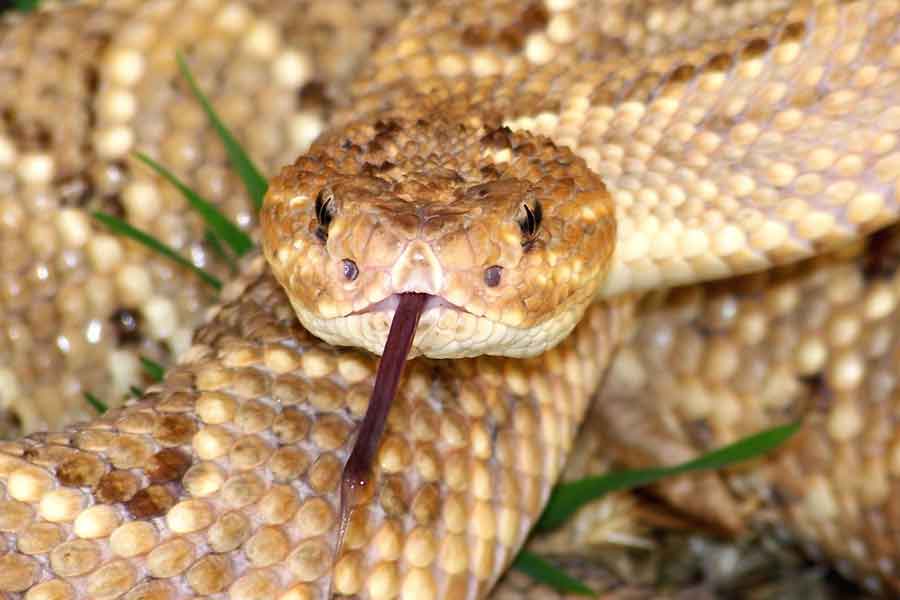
{"points": [[390, 304]]}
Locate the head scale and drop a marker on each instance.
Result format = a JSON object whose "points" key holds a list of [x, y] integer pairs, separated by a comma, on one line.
{"points": [[510, 235]]}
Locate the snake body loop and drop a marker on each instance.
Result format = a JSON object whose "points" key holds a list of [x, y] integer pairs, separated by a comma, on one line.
{"points": [[525, 166]]}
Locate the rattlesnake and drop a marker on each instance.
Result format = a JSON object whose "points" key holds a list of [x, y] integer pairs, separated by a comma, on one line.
{"points": [[723, 154]]}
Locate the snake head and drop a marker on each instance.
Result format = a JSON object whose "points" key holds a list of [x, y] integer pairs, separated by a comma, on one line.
{"points": [[508, 234]]}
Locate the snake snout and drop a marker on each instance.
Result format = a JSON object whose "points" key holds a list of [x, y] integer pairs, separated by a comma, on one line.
{"points": [[418, 269]]}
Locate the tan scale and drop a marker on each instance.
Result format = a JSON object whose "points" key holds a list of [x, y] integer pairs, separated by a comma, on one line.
{"points": [[669, 145]]}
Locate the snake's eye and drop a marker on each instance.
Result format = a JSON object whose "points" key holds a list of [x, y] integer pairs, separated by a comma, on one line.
{"points": [[350, 269], [492, 276], [531, 220], [324, 212]]}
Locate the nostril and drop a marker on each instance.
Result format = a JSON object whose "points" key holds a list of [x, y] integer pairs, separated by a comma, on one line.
{"points": [[350, 269], [492, 275]]}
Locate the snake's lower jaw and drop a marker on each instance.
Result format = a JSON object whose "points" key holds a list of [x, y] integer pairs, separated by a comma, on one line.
{"points": [[445, 330]]}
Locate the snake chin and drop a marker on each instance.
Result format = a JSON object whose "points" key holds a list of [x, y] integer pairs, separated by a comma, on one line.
{"points": [[445, 330]]}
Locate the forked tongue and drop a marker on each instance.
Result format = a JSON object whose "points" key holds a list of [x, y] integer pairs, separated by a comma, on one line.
{"points": [[358, 470]]}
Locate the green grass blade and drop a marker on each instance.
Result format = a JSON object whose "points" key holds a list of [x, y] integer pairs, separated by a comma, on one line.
{"points": [[218, 223], [253, 180], [544, 572], [569, 497], [95, 402], [122, 228], [153, 369], [25, 5], [136, 391], [219, 250]]}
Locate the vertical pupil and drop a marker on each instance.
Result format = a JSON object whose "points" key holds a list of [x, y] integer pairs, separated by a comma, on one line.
{"points": [[532, 219], [323, 207], [323, 213]]}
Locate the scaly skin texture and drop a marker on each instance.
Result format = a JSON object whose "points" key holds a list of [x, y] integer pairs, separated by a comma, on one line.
{"points": [[710, 364], [81, 88], [432, 205], [773, 173], [732, 155], [224, 479], [817, 341], [726, 157]]}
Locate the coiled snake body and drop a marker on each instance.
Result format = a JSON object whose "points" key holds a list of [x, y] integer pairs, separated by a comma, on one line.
{"points": [[499, 162]]}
